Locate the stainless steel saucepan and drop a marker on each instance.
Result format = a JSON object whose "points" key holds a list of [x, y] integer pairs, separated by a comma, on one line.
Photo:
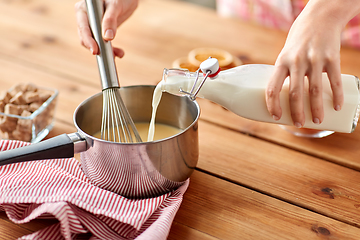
{"points": [[133, 170]]}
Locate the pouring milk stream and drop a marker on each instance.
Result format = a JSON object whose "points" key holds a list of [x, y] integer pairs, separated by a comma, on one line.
{"points": [[242, 91]]}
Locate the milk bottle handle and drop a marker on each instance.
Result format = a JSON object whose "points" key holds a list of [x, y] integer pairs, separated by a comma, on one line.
{"points": [[210, 68]]}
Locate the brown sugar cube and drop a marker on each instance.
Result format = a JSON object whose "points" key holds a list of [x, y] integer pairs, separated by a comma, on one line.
{"points": [[5, 97], [7, 124], [34, 106], [2, 106], [25, 113], [44, 95], [18, 99], [23, 107], [22, 136], [12, 109], [19, 87], [43, 119], [31, 96], [23, 87], [29, 87], [16, 89], [24, 125]]}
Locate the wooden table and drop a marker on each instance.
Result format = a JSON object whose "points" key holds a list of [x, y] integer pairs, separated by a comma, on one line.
{"points": [[253, 180]]}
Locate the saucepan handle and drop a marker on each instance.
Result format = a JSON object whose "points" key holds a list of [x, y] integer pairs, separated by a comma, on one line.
{"points": [[61, 146]]}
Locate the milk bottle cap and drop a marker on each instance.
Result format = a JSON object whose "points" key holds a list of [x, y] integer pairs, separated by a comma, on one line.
{"points": [[210, 66]]}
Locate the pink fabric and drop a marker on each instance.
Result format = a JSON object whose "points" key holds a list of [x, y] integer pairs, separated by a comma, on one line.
{"points": [[280, 14], [271, 13], [59, 189]]}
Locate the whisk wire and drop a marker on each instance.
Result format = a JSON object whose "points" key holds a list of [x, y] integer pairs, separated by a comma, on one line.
{"points": [[120, 120], [114, 122], [105, 117], [117, 124], [128, 124]]}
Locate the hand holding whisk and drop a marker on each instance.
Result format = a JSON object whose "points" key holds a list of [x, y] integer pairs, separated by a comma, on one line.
{"points": [[117, 124]]}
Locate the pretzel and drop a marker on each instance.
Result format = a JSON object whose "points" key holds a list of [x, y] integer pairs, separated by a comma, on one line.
{"points": [[198, 55]]}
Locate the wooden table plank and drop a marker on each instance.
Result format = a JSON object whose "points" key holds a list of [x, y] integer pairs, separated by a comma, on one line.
{"points": [[286, 174], [227, 211], [181, 231], [35, 30], [8, 230]]}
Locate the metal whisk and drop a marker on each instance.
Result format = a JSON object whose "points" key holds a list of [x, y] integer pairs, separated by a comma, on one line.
{"points": [[117, 124]]}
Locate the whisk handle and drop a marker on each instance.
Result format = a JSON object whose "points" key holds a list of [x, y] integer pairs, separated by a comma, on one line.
{"points": [[105, 59]]}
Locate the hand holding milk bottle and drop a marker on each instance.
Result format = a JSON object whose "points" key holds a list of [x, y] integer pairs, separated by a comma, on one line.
{"points": [[312, 47], [242, 91]]}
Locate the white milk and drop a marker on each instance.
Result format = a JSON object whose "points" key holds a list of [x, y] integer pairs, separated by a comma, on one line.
{"points": [[155, 103], [242, 91]]}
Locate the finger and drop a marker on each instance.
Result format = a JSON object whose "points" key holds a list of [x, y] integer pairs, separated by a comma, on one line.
{"points": [[315, 93], [334, 73], [84, 31], [109, 22], [273, 92], [296, 97], [116, 13], [118, 52]]}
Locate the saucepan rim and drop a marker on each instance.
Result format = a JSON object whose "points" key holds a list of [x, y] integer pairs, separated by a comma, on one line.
{"points": [[121, 143]]}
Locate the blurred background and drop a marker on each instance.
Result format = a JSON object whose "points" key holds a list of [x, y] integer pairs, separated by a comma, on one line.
{"points": [[205, 3]]}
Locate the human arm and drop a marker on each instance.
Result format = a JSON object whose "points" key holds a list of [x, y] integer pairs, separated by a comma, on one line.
{"points": [[312, 46], [116, 12]]}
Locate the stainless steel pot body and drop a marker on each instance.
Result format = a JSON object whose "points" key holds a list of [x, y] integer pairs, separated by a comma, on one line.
{"points": [[133, 170], [141, 169]]}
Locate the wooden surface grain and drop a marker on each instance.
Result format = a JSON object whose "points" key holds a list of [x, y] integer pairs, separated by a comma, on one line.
{"points": [[253, 180]]}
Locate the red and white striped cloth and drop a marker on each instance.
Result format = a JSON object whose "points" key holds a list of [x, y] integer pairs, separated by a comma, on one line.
{"points": [[59, 189]]}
